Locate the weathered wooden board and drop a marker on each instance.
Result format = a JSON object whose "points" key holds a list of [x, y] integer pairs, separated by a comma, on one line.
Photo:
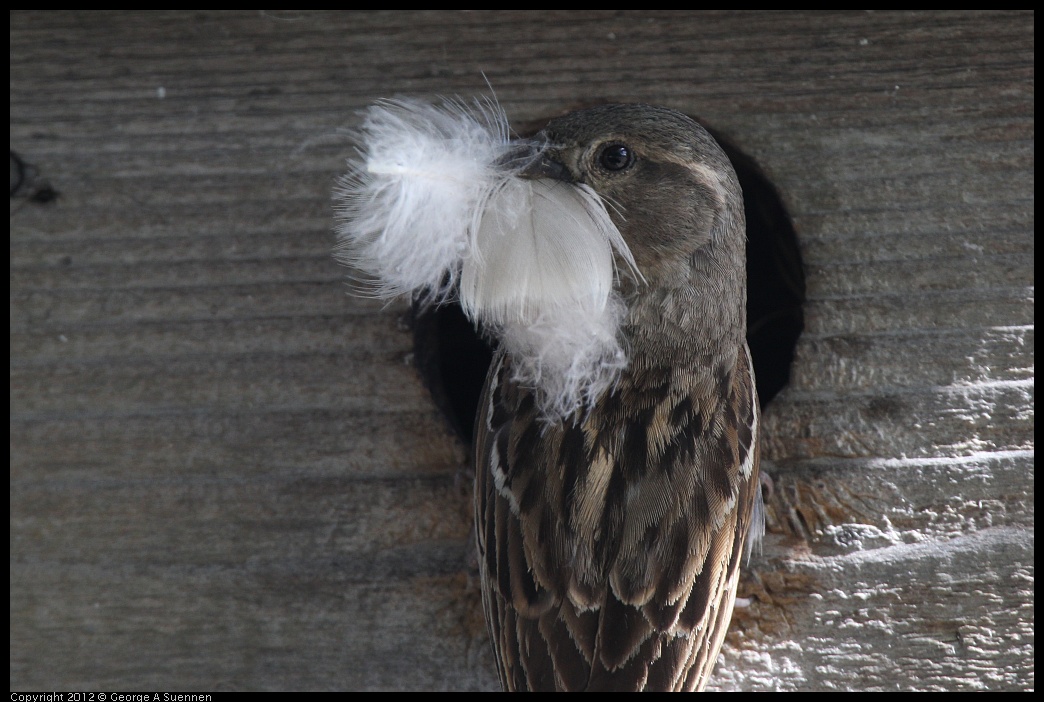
{"points": [[226, 474]]}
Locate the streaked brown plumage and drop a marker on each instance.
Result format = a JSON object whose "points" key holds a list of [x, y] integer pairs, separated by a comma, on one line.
{"points": [[610, 542]]}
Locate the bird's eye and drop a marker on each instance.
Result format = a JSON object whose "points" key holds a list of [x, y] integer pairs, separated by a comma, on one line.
{"points": [[616, 157]]}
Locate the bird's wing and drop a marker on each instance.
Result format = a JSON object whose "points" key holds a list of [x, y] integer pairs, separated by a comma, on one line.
{"points": [[642, 599]]}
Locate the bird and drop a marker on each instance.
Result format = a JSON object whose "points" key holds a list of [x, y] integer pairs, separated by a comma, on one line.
{"points": [[616, 452], [610, 540]]}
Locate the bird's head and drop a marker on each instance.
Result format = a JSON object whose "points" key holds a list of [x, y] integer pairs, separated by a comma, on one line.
{"points": [[668, 186]]}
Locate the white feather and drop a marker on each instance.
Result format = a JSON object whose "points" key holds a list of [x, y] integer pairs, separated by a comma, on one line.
{"points": [[430, 207], [408, 204], [541, 276], [540, 243]]}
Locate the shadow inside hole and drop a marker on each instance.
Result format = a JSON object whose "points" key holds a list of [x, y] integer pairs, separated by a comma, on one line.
{"points": [[775, 276], [453, 358]]}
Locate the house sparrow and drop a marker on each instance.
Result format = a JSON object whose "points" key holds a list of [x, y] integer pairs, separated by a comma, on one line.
{"points": [[617, 438], [610, 542]]}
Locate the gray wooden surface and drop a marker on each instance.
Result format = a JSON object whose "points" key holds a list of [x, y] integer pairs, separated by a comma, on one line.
{"points": [[225, 473]]}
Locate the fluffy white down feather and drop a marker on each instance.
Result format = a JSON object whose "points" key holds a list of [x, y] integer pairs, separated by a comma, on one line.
{"points": [[431, 208]]}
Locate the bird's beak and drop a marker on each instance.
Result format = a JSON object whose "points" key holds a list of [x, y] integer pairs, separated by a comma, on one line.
{"points": [[547, 167], [535, 161]]}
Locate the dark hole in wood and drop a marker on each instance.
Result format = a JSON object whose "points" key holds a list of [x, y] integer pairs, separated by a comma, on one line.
{"points": [[775, 276], [453, 358], [26, 182]]}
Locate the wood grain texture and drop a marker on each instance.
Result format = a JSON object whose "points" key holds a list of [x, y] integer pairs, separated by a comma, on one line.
{"points": [[225, 473]]}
